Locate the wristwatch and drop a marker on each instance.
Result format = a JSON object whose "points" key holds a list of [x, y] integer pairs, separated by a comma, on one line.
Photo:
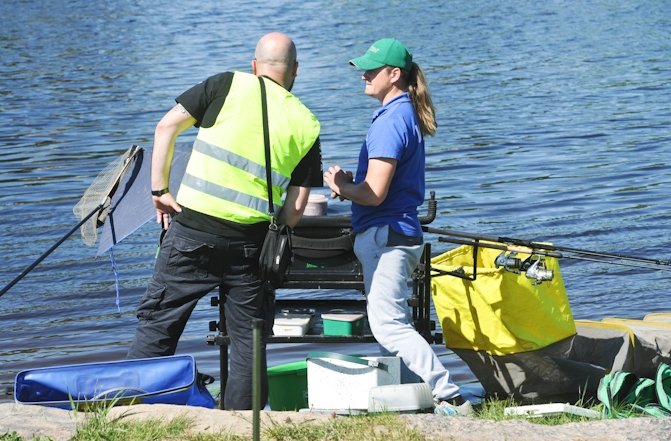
{"points": [[160, 192]]}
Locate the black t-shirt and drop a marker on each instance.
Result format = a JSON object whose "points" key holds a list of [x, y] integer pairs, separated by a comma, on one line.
{"points": [[204, 102]]}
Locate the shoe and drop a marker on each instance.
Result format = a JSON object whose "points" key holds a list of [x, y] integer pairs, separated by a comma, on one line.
{"points": [[456, 406]]}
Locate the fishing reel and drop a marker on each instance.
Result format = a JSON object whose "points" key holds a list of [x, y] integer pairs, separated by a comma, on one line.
{"points": [[509, 262], [533, 266], [536, 270]]}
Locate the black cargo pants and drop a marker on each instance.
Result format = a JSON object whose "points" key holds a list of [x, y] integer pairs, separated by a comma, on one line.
{"points": [[191, 264]]}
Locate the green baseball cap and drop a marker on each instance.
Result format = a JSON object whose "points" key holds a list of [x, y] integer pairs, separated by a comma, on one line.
{"points": [[385, 52]]}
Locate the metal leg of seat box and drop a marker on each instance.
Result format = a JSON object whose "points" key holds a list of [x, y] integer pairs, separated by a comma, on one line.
{"points": [[220, 339]]}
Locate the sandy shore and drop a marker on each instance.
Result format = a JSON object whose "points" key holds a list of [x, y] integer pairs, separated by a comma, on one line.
{"points": [[60, 425]]}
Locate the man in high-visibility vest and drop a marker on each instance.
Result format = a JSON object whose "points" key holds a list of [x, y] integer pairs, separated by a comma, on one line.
{"points": [[218, 220]]}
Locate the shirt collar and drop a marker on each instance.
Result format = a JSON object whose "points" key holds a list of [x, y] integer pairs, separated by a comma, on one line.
{"points": [[268, 78], [402, 98]]}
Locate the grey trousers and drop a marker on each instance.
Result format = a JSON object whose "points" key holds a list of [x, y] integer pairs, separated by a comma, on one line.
{"points": [[388, 260]]}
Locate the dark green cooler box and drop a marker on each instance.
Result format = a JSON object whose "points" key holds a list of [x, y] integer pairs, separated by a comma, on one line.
{"points": [[288, 386]]}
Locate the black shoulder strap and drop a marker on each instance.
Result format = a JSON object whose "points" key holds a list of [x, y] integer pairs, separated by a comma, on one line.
{"points": [[266, 142]]}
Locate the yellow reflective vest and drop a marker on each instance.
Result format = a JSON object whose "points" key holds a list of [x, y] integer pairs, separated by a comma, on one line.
{"points": [[226, 176]]}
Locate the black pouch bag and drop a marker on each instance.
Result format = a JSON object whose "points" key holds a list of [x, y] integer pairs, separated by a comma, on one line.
{"points": [[276, 255]]}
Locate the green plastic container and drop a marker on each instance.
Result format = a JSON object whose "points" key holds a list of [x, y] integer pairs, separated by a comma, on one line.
{"points": [[343, 324], [288, 386]]}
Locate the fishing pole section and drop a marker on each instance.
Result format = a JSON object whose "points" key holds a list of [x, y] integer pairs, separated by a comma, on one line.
{"points": [[533, 265]]}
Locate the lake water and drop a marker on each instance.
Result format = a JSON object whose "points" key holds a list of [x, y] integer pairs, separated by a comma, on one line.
{"points": [[554, 121]]}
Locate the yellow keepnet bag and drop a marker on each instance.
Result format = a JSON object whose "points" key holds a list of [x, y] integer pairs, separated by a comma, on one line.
{"points": [[500, 312]]}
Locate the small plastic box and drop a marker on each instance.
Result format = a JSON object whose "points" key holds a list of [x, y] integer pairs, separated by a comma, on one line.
{"points": [[295, 325], [343, 324]]}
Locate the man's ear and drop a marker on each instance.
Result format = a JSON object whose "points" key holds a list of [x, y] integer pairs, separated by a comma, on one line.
{"points": [[254, 66]]}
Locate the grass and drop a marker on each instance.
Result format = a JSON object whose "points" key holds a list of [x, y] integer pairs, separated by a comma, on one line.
{"points": [[13, 436], [98, 426], [374, 427]]}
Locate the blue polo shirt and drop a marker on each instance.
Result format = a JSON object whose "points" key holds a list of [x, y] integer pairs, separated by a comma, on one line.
{"points": [[395, 134]]}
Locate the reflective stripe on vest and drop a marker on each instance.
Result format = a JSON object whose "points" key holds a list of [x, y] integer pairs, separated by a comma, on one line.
{"points": [[221, 192], [240, 162]]}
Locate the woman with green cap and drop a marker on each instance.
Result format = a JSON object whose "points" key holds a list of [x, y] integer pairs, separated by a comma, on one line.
{"points": [[385, 193]]}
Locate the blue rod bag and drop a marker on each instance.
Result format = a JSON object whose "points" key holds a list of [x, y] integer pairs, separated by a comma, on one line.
{"points": [[168, 380]]}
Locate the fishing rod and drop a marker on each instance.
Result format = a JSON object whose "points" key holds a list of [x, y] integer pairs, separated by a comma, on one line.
{"points": [[526, 246], [532, 266], [102, 189]]}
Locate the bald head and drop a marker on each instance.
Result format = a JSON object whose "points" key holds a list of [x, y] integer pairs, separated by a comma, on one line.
{"points": [[275, 57]]}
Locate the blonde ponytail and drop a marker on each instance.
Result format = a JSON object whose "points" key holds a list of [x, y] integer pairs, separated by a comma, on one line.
{"points": [[421, 100]]}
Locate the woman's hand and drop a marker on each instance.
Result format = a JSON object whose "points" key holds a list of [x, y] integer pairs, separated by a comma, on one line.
{"points": [[336, 179]]}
